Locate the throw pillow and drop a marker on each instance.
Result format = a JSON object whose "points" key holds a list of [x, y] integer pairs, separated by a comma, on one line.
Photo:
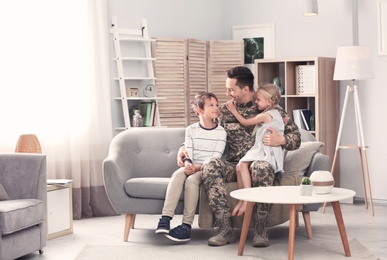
{"points": [[296, 162], [3, 193]]}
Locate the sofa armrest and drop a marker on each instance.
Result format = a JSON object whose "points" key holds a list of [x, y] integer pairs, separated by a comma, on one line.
{"points": [[23, 175], [320, 162], [114, 179]]}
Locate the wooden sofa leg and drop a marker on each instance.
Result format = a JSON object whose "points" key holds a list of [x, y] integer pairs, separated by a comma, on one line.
{"points": [[133, 220], [308, 224], [129, 223]]}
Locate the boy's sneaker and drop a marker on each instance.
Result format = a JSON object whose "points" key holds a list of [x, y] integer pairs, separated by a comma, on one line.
{"points": [[181, 233], [163, 226]]}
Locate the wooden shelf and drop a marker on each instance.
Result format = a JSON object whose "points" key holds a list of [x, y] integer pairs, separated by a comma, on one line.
{"points": [[323, 102]]}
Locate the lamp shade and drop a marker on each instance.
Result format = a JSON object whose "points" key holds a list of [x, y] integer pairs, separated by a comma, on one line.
{"points": [[28, 143], [309, 7], [353, 63]]}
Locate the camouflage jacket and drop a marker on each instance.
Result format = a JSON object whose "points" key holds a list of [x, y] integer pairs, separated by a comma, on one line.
{"points": [[241, 138]]}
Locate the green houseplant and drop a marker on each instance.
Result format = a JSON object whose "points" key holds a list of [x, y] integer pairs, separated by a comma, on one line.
{"points": [[305, 181], [306, 187]]}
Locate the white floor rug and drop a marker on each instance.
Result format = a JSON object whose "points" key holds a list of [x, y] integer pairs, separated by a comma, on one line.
{"points": [[307, 250]]}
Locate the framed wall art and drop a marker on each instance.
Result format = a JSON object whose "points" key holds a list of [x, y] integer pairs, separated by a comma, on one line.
{"points": [[259, 41], [382, 27]]}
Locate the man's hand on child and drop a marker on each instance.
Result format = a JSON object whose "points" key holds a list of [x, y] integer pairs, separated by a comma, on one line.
{"points": [[273, 139]]}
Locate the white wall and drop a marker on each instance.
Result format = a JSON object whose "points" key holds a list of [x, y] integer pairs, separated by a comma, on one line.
{"points": [[296, 36], [172, 18]]}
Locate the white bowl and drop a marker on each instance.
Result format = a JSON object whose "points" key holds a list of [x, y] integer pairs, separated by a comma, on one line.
{"points": [[322, 182]]}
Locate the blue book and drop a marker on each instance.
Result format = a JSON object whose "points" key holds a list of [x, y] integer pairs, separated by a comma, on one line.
{"points": [[305, 115]]}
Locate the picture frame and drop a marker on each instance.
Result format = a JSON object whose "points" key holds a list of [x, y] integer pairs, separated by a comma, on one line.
{"points": [[382, 27], [255, 37], [132, 92]]}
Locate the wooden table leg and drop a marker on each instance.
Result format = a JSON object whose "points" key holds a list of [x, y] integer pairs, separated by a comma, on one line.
{"points": [[245, 227], [308, 224], [292, 230], [341, 227]]}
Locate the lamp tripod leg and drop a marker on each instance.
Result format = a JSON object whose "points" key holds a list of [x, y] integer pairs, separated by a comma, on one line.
{"points": [[369, 183], [363, 177], [332, 168], [339, 134], [363, 152]]}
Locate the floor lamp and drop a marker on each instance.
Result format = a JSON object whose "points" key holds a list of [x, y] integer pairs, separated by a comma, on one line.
{"points": [[354, 63]]}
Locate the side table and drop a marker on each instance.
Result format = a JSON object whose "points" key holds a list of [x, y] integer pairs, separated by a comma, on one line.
{"points": [[59, 208], [291, 195]]}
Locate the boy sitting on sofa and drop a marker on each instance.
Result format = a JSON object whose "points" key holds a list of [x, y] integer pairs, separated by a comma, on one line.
{"points": [[203, 140]]}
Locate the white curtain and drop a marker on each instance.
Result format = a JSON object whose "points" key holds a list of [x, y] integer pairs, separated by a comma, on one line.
{"points": [[55, 84]]}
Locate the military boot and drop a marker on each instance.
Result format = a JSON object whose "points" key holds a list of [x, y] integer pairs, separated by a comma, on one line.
{"points": [[261, 238], [225, 232]]}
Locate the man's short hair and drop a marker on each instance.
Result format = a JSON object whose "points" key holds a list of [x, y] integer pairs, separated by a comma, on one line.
{"points": [[243, 75]]}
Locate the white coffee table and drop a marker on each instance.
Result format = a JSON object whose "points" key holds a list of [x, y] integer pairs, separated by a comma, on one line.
{"points": [[291, 195]]}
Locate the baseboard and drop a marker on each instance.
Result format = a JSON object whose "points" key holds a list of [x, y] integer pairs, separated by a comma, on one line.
{"points": [[359, 200]]}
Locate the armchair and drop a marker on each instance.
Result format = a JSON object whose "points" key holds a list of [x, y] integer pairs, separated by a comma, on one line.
{"points": [[23, 208]]}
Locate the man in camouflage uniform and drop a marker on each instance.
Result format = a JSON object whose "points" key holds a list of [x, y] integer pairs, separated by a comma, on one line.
{"points": [[217, 172]]}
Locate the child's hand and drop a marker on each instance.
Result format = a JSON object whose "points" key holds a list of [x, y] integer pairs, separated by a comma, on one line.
{"points": [[231, 106], [189, 168]]}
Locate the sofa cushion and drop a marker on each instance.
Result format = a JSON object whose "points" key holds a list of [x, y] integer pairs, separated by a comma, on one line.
{"points": [[297, 161], [16, 215], [3, 193], [149, 188]]}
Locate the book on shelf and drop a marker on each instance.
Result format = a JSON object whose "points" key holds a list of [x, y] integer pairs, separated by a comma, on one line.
{"points": [[148, 114], [59, 182], [152, 114], [302, 118], [306, 115]]}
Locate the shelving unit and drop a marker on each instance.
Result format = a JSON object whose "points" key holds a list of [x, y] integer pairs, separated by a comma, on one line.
{"points": [[134, 60], [323, 101]]}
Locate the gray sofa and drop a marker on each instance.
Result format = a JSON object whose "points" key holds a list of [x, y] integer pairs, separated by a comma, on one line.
{"points": [[141, 160], [23, 193]]}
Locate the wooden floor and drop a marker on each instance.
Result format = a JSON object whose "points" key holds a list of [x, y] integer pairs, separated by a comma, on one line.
{"points": [[368, 230]]}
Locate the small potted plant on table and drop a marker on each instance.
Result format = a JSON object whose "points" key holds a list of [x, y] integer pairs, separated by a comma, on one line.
{"points": [[306, 187]]}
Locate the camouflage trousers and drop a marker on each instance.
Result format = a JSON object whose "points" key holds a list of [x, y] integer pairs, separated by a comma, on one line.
{"points": [[217, 172]]}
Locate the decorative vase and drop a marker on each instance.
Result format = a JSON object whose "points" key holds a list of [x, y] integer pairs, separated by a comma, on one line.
{"points": [[312, 122], [322, 182], [137, 118], [306, 190], [277, 82]]}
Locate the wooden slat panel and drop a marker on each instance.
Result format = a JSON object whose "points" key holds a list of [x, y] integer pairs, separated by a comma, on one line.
{"points": [[170, 71], [185, 67], [197, 76], [222, 56]]}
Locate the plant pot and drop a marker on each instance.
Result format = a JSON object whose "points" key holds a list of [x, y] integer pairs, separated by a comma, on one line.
{"points": [[306, 190]]}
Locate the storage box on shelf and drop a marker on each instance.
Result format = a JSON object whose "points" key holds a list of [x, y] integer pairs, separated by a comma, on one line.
{"points": [[308, 84]]}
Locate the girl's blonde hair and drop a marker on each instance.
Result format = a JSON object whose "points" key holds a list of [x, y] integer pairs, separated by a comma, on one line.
{"points": [[270, 91]]}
